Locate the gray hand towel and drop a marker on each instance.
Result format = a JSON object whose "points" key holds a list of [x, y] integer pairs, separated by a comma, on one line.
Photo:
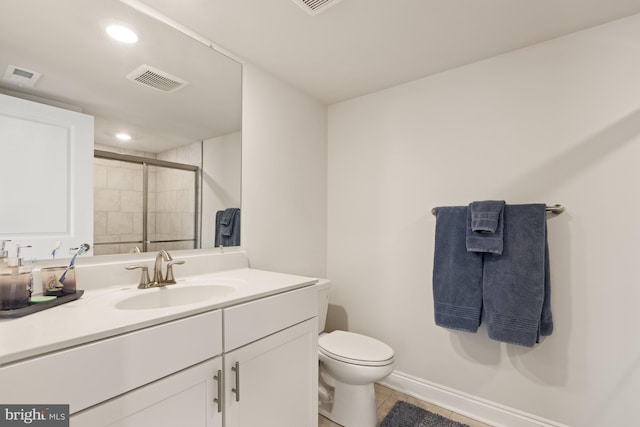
{"points": [[485, 225], [227, 221], [485, 216], [457, 274], [516, 284]]}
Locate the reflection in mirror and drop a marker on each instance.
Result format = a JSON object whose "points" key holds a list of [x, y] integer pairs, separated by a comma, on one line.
{"points": [[178, 99], [158, 204]]}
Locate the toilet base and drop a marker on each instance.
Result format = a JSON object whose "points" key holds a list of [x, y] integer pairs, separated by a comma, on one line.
{"points": [[351, 405]]}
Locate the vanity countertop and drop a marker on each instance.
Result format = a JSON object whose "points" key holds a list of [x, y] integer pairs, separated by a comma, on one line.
{"points": [[95, 316]]}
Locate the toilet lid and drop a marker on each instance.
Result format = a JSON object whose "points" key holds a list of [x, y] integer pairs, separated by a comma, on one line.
{"points": [[354, 348]]}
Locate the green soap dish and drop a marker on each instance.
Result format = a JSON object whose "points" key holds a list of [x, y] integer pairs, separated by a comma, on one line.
{"points": [[41, 298]]}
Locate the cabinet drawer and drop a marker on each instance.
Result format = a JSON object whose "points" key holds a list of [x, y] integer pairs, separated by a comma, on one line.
{"points": [[251, 321], [89, 374]]}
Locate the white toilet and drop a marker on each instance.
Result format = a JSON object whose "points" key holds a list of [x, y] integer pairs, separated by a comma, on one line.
{"points": [[349, 365]]}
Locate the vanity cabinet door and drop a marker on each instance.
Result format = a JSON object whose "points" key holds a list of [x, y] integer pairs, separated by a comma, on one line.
{"points": [[272, 382], [187, 398]]}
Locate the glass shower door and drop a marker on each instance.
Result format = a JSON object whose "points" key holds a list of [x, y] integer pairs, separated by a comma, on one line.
{"points": [[118, 206], [143, 204], [171, 220]]}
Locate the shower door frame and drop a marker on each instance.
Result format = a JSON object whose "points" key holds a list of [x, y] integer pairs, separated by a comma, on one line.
{"points": [[146, 162]]}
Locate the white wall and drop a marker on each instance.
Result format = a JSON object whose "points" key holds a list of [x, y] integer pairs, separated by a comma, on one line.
{"points": [[284, 176], [221, 180], [558, 122]]}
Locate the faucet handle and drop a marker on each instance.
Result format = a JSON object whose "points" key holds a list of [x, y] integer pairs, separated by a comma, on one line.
{"points": [[145, 281], [170, 279]]}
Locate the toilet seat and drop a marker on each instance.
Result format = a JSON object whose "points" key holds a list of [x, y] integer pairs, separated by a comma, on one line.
{"points": [[355, 349]]}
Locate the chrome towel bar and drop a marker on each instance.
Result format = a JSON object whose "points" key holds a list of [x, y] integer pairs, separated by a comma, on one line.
{"points": [[555, 209]]}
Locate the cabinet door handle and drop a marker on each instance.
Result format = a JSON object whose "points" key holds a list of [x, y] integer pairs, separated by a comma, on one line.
{"points": [[236, 390], [218, 400]]}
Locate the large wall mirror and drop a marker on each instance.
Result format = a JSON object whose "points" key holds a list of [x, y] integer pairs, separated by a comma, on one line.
{"points": [[174, 182]]}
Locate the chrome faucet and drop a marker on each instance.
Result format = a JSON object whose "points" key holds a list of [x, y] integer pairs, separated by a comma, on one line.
{"points": [[158, 279]]}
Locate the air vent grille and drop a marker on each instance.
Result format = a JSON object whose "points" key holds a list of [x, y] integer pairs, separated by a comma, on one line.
{"points": [[313, 7], [156, 79], [21, 76]]}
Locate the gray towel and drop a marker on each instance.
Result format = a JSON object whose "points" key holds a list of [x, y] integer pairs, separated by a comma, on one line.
{"points": [[546, 319], [457, 274], [485, 226], [227, 232], [516, 286]]}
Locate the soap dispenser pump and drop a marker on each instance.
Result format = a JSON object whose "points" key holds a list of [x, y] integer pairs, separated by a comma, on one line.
{"points": [[19, 260]]}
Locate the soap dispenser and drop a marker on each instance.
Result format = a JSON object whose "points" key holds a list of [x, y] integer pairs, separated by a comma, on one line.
{"points": [[16, 283]]}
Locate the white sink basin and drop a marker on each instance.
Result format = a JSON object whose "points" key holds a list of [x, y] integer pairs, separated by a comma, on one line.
{"points": [[173, 295]]}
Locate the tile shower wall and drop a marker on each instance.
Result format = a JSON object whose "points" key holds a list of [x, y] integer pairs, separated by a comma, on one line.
{"points": [[118, 201]]}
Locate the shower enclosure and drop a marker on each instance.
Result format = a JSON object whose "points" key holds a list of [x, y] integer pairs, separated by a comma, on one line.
{"points": [[143, 204]]}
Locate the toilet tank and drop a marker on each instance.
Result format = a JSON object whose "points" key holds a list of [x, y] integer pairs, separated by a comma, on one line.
{"points": [[323, 302]]}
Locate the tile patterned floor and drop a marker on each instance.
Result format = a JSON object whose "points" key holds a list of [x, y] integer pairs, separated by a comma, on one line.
{"points": [[386, 398]]}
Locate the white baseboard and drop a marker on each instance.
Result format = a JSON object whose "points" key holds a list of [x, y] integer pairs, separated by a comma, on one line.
{"points": [[464, 404]]}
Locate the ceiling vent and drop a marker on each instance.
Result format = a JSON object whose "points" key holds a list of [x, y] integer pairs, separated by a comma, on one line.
{"points": [[157, 79], [314, 7], [21, 76]]}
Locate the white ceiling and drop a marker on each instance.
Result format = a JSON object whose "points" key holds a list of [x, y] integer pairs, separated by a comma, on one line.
{"points": [[350, 49], [360, 46]]}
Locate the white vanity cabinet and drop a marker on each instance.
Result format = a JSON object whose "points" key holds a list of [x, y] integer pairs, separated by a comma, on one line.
{"points": [[252, 363], [87, 375], [266, 377], [272, 381]]}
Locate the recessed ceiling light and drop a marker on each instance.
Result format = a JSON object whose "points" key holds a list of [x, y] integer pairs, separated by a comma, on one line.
{"points": [[123, 136], [122, 34]]}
